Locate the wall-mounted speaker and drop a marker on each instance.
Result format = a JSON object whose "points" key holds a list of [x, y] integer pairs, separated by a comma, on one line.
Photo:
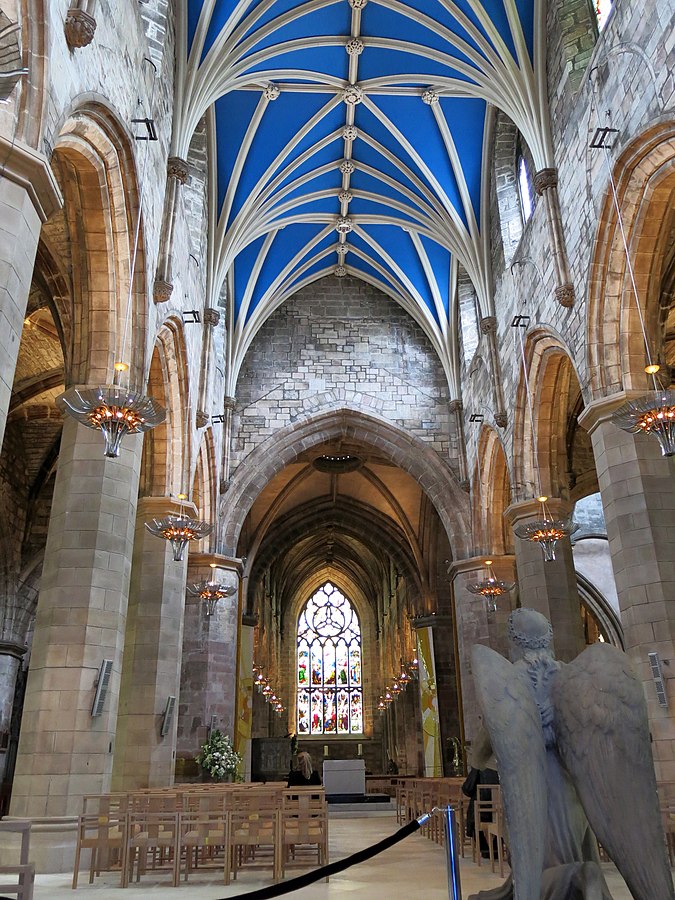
{"points": [[214, 724], [657, 675], [102, 685], [168, 716]]}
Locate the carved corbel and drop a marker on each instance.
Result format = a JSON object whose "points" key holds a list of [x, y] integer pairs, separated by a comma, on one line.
{"points": [[546, 186], [177, 174], [488, 327], [80, 24]]}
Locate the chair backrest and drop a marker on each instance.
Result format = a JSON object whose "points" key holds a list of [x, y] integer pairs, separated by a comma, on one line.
{"points": [[18, 826]]}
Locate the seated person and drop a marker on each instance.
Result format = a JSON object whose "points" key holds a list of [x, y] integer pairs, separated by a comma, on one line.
{"points": [[304, 775]]}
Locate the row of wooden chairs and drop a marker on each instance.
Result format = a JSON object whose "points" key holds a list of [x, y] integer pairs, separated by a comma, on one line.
{"points": [[414, 797], [223, 827]]}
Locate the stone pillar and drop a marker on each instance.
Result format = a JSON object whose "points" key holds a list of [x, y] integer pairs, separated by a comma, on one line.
{"points": [[10, 662], [549, 587], [637, 486], [488, 327], [28, 196], [152, 655], [208, 688], [456, 410], [64, 752], [546, 186], [211, 320], [475, 624], [177, 174], [228, 410]]}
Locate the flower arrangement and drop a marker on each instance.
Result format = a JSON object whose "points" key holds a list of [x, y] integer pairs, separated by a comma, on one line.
{"points": [[218, 757]]}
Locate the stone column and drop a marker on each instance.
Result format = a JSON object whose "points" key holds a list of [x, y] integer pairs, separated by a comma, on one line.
{"points": [[475, 624], [456, 410], [637, 486], [488, 327], [549, 587], [10, 661], [211, 320], [228, 410], [64, 752], [177, 174], [29, 194], [152, 655], [208, 689], [546, 186]]}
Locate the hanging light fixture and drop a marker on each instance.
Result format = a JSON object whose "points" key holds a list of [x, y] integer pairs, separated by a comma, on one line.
{"points": [[179, 530], [654, 412], [490, 587], [381, 705], [115, 409], [545, 531], [211, 592]]}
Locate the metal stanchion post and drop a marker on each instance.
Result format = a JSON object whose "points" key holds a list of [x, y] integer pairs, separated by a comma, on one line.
{"points": [[452, 858]]}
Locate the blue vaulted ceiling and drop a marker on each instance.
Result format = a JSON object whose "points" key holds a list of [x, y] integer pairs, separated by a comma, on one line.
{"points": [[350, 136]]}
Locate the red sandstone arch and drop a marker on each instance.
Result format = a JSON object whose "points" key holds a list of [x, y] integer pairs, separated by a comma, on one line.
{"points": [[404, 450], [645, 177], [553, 383], [166, 448], [96, 169], [491, 495]]}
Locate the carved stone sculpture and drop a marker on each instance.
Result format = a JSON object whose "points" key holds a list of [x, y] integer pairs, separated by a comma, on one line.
{"points": [[574, 759]]}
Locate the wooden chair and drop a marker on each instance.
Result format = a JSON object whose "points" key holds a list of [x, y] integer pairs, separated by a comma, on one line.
{"points": [[23, 870], [104, 834], [204, 834], [152, 837], [490, 822], [254, 827], [304, 826]]}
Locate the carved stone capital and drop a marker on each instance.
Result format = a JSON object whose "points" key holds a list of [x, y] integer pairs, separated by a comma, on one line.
{"points": [[564, 294], [79, 28], [455, 406], [12, 648], [229, 403], [162, 291], [211, 316], [202, 418], [488, 325], [501, 420], [177, 168], [465, 485], [545, 179]]}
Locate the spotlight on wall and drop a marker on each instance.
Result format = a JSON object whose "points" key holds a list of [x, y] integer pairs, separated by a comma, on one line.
{"points": [[476, 417]]}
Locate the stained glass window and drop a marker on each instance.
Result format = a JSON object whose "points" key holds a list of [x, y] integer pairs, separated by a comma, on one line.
{"points": [[329, 679]]}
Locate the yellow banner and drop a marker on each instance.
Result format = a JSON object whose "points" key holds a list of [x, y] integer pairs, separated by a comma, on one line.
{"points": [[242, 732], [431, 729]]}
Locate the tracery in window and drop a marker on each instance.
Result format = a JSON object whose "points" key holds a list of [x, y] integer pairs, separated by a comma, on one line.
{"points": [[329, 677], [524, 188]]}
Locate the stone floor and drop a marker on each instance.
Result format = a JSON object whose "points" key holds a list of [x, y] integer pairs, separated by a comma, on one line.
{"points": [[411, 870]]}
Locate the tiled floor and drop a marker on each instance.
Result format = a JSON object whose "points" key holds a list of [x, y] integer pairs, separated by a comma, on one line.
{"points": [[413, 869]]}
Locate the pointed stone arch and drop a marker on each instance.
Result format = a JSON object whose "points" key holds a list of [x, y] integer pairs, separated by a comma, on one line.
{"points": [[204, 486], [644, 175], [96, 169], [403, 449], [491, 496], [164, 467]]}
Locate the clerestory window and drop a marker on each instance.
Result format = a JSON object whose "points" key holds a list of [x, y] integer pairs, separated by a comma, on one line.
{"points": [[329, 672]]}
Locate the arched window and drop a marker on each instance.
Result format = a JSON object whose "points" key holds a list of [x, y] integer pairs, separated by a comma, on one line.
{"points": [[602, 11], [524, 188], [329, 680]]}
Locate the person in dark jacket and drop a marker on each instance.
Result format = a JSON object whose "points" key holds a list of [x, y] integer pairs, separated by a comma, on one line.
{"points": [[305, 774], [470, 789]]}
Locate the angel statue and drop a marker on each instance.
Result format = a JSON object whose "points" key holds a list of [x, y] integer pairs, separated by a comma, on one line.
{"points": [[574, 759]]}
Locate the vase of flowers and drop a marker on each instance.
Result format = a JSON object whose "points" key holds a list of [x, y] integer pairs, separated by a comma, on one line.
{"points": [[218, 757]]}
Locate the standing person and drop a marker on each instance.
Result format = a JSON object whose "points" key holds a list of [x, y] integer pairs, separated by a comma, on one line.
{"points": [[304, 775]]}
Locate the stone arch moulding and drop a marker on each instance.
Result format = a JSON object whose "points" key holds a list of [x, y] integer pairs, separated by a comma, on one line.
{"points": [[166, 447], [421, 462], [95, 162], [644, 174], [204, 484], [550, 371], [491, 495]]}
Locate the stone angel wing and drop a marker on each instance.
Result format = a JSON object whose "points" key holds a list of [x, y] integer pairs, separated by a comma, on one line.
{"points": [[512, 719], [602, 735]]}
